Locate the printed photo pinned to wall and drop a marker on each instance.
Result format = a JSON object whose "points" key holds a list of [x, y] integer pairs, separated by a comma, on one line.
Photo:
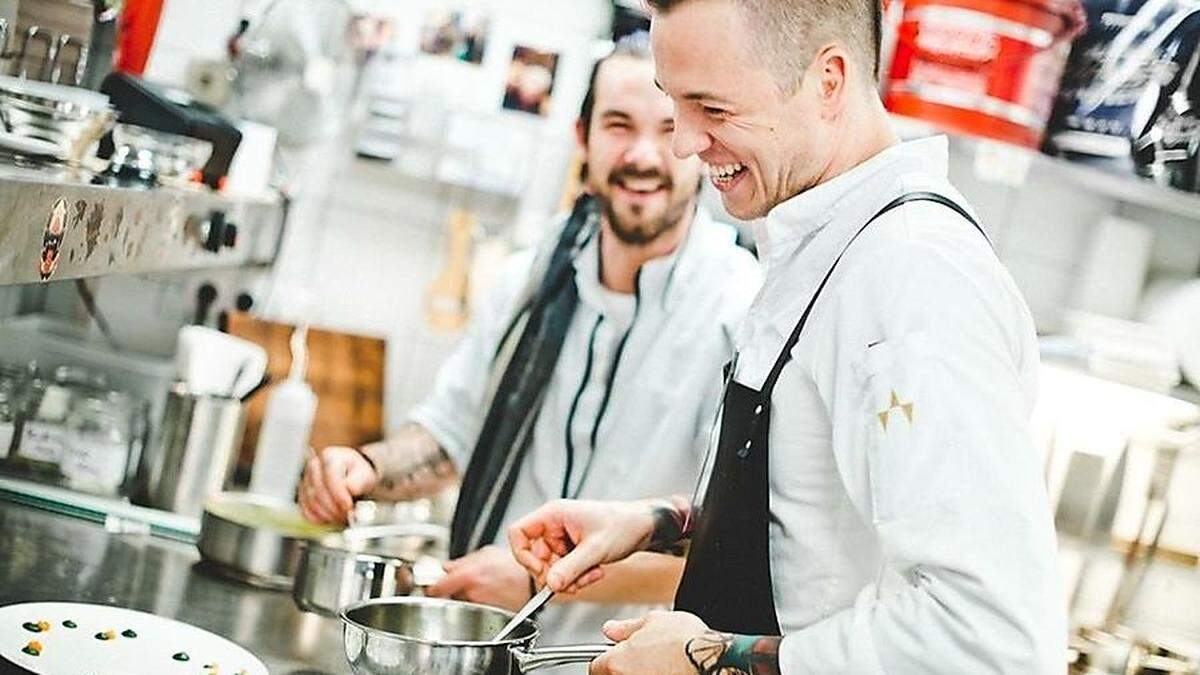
{"points": [[458, 34], [530, 80]]}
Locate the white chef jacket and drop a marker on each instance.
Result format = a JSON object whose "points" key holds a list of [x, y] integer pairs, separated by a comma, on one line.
{"points": [[677, 333], [911, 530]]}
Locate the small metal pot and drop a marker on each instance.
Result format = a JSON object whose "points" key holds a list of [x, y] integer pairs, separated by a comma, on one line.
{"points": [[398, 636], [364, 563], [243, 537]]}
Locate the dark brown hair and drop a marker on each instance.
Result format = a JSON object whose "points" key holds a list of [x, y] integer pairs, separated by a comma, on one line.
{"points": [[635, 45]]}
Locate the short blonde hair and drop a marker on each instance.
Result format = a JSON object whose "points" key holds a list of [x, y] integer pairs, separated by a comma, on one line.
{"points": [[787, 33]]}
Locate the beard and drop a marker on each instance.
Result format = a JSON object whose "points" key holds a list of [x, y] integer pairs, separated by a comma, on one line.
{"points": [[636, 228]]}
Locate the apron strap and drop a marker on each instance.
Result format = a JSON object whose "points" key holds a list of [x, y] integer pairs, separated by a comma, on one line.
{"points": [[786, 355]]}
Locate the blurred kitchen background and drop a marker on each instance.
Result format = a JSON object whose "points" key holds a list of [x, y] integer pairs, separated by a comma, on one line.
{"points": [[203, 198]]}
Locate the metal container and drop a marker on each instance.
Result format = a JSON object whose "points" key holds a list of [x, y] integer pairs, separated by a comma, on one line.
{"points": [[193, 452], [1097, 651], [254, 539], [158, 154], [365, 563], [398, 636]]}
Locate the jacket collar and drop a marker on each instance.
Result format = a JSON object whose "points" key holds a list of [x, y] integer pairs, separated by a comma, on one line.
{"points": [[659, 280]]}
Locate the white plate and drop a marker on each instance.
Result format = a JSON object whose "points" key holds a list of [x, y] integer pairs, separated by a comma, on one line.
{"points": [[1174, 305], [65, 650], [29, 146]]}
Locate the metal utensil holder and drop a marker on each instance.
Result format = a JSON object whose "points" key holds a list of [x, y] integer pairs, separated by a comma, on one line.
{"points": [[50, 67], [193, 454]]}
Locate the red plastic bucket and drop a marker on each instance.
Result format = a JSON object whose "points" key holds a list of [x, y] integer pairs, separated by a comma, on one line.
{"points": [[983, 67]]}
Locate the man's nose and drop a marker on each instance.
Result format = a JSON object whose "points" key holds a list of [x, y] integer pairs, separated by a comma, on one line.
{"points": [[646, 152], [689, 138]]}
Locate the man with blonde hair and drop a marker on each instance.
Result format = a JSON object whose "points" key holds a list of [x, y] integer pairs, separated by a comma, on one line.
{"points": [[875, 503]]}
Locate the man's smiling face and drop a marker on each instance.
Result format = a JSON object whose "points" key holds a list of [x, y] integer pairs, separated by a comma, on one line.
{"points": [[642, 187], [762, 145]]}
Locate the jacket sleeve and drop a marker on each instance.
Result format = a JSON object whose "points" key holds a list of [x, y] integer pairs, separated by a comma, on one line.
{"points": [[929, 407], [452, 412]]}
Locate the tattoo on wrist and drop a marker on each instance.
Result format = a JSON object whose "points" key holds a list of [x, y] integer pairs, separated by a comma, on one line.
{"points": [[670, 519], [370, 460], [714, 653]]}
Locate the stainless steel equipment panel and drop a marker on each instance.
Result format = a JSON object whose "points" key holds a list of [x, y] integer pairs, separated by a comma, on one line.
{"points": [[55, 225]]}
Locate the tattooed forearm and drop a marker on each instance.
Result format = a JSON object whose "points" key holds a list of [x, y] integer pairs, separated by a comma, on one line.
{"points": [[410, 464], [716, 653], [670, 519]]}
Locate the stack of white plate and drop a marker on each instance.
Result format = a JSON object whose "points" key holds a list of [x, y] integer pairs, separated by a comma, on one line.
{"points": [[52, 120]]}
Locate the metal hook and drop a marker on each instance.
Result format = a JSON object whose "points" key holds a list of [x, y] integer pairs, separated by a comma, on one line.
{"points": [[53, 70], [33, 33]]}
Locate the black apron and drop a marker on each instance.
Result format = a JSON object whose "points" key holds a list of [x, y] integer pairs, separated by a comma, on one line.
{"points": [[727, 580]]}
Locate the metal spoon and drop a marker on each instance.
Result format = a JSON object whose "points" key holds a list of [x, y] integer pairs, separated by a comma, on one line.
{"points": [[535, 603]]}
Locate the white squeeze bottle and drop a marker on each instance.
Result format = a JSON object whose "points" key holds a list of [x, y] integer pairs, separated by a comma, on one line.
{"points": [[287, 425]]}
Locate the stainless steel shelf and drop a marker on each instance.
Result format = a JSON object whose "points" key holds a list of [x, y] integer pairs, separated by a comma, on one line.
{"points": [[1127, 189], [117, 515], [116, 230]]}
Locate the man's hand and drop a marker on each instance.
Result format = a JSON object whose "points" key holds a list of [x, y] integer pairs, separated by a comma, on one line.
{"points": [[332, 480], [680, 643], [656, 643], [564, 543], [489, 576]]}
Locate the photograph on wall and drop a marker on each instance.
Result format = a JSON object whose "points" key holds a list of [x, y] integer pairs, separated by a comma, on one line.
{"points": [[457, 34], [530, 80]]}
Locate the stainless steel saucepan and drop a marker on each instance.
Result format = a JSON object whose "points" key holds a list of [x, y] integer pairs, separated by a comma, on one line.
{"points": [[254, 539], [400, 636], [362, 563]]}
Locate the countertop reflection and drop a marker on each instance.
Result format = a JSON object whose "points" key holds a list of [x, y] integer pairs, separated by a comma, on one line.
{"points": [[49, 557]]}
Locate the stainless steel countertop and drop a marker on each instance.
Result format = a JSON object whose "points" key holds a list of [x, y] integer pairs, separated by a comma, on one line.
{"points": [[49, 557]]}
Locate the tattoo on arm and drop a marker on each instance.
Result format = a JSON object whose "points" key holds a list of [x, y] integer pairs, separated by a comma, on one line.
{"points": [[409, 455], [716, 653], [670, 519]]}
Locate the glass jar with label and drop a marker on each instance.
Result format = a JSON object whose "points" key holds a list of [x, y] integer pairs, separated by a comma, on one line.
{"points": [[99, 438], [10, 389], [42, 438]]}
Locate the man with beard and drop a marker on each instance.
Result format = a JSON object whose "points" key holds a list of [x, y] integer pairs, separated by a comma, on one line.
{"points": [[591, 371]]}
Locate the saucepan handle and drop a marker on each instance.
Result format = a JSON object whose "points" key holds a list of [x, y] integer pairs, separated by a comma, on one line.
{"points": [[549, 657]]}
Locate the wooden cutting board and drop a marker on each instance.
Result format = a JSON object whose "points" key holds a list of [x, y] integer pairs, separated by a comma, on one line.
{"points": [[346, 372]]}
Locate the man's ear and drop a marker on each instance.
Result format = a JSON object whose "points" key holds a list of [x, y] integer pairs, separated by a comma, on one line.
{"points": [[581, 135], [829, 69]]}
